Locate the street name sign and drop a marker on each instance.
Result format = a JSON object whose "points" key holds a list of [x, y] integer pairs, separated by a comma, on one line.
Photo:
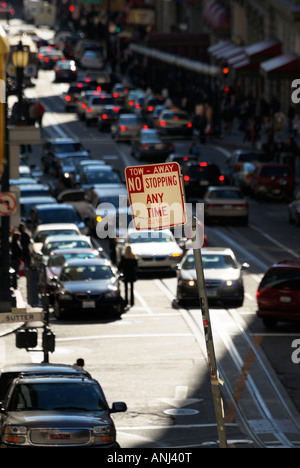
{"points": [[156, 196]]}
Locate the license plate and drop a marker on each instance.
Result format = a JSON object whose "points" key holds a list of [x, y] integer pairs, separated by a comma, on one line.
{"points": [[227, 207], [285, 299], [211, 293], [204, 182], [88, 304]]}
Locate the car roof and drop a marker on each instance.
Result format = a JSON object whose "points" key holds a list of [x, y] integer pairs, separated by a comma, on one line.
{"points": [[287, 263], [37, 198], [58, 378], [214, 250], [42, 368], [58, 226], [57, 206], [107, 188], [77, 250], [63, 140], [58, 237], [87, 261]]}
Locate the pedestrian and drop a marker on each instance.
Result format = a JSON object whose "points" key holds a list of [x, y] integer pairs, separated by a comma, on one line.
{"points": [[25, 243], [40, 110], [128, 266], [16, 253]]}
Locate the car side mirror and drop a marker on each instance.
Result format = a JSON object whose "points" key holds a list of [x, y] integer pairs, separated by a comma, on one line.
{"points": [[245, 266], [118, 407]]}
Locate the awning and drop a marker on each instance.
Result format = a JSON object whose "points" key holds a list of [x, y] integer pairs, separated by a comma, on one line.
{"points": [[217, 16], [282, 65], [231, 48], [220, 45], [268, 48], [193, 65]]}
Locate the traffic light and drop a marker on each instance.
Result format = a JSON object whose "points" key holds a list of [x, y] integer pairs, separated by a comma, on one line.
{"points": [[225, 71], [48, 341], [26, 338]]}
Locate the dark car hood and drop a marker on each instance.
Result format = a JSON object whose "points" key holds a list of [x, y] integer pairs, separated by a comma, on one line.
{"points": [[95, 286], [58, 418]]}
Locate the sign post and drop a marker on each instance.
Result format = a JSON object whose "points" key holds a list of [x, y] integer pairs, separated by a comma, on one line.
{"points": [[156, 199]]}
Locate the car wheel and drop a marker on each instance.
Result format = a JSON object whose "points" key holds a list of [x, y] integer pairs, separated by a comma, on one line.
{"points": [[269, 323]]}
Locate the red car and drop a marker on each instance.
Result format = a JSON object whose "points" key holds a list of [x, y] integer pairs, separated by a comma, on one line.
{"points": [[273, 180], [278, 295]]}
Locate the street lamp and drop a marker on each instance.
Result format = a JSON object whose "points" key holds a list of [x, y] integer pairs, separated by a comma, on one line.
{"points": [[7, 301], [20, 58]]}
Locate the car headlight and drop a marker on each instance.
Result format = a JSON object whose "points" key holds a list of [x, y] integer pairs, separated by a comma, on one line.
{"points": [[103, 434], [15, 434], [190, 283], [64, 295]]}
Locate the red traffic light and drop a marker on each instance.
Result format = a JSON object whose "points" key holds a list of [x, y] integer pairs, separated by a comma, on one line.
{"points": [[225, 70]]}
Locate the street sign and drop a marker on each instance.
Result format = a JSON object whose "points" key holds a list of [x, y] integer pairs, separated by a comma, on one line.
{"points": [[8, 203], [23, 316], [156, 196]]}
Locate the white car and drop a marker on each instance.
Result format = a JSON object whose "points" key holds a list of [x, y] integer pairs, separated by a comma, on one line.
{"points": [[95, 106], [127, 127], [65, 242], [156, 250], [45, 230], [92, 59]]}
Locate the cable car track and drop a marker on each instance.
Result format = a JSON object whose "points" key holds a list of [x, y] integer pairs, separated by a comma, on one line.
{"points": [[252, 392]]}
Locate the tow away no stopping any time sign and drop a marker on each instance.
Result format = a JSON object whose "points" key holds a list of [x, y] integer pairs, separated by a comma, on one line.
{"points": [[156, 196]]}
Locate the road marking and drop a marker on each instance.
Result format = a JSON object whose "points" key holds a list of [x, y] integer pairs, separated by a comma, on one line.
{"points": [[180, 398], [279, 244]]}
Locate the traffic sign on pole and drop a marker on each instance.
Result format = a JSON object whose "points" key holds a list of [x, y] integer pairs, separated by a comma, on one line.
{"points": [[156, 196], [8, 203]]}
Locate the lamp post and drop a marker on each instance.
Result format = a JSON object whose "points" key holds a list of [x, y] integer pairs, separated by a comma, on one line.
{"points": [[20, 60]]}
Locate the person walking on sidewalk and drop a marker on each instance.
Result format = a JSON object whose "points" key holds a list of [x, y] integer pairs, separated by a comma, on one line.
{"points": [[128, 266], [16, 253]]}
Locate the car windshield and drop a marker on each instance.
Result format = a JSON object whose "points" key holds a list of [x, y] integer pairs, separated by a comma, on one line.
{"points": [[74, 160], [128, 120], [67, 147], [209, 261], [58, 216], [146, 237], [57, 396], [58, 260], [101, 177], [41, 236], [65, 244], [225, 194], [277, 278], [86, 273]]}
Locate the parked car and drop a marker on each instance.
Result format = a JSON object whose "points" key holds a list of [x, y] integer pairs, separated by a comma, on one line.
{"points": [[11, 371], [240, 156], [87, 286], [222, 274], [53, 149], [97, 174], [197, 177], [149, 146], [294, 210], [95, 106], [225, 203], [52, 411], [174, 122], [56, 260], [65, 70], [156, 250], [273, 181], [73, 93], [43, 231], [127, 127], [54, 213], [278, 294], [49, 58], [92, 59], [27, 203], [109, 115]]}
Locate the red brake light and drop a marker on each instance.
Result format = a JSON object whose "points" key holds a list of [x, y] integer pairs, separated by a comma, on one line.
{"points": [[145, 127], [189, 124], [83, 105], [203, 164], [89, 110], [162, 123], [186, 178], [221, 178], [123, 128], [104, 116], [68, 98], [150, 108], [130, 103], [115, 95]]}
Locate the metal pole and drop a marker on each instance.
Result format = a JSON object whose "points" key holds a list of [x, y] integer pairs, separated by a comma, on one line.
{"points": [[213, 372]]}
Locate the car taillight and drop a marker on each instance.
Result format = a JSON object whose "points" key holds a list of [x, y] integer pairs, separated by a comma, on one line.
{"points": [[189, 124], [203, 164], [123, 128], [221, 178], [130, 103], [115, 95], [68, 98], [145, 127], [40, 56], [89, 110], [162, 123], [83, 106], [56, 70], [104, 116], [46, 59], [150, 108], [186, 178]]}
